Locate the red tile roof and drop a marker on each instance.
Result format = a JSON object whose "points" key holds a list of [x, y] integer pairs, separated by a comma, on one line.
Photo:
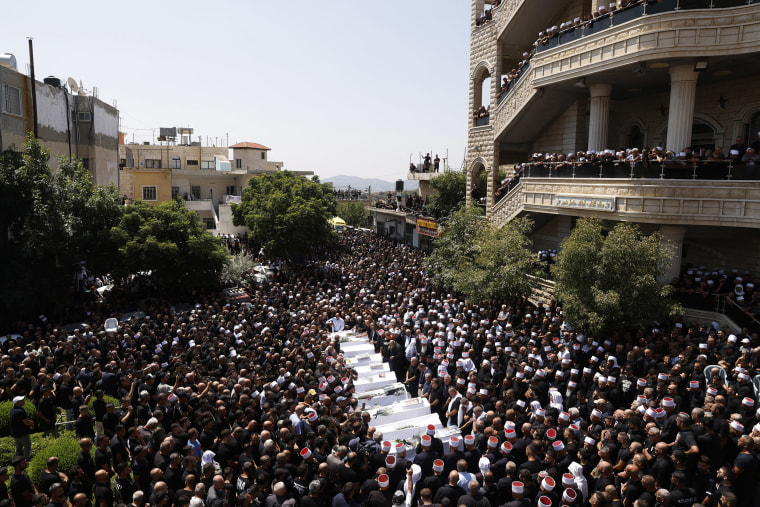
{"points": [[249, 146]]}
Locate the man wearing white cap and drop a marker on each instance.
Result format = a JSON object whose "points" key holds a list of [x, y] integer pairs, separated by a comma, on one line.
{"points": [[21, 426], [518, 496]]}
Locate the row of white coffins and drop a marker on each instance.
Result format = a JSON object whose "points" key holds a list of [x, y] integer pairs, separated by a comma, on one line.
{"points": [[400, 418]]}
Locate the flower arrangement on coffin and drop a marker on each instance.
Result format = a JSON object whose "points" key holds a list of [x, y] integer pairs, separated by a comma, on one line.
{"points": [[394, 391], [383, 411]]}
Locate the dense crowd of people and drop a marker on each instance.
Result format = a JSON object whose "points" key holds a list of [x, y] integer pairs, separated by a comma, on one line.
{"points": [[412, 203], [253, 404]]}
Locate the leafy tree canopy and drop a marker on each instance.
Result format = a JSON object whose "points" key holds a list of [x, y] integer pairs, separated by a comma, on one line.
{"points": [[353, 213], [169, 245], [286, 213], [608, 282], [482, 261], [449, 192], [51, 225]]}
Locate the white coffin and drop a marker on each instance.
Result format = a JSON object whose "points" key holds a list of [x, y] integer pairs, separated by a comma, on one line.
{"points": [[382, 397], [399, 412], [372, 369], [410, 428], [354, 349], [376, 381], [348, 336], [364, 359]]}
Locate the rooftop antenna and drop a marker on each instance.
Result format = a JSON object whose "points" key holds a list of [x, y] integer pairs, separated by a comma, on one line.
{"points": [[73, 86]]}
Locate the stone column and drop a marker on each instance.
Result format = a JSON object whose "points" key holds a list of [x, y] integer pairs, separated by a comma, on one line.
{"points": [[673, 234], [683, 90], [599, 116]]}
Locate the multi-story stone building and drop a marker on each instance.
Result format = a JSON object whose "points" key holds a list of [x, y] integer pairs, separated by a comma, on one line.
{"points": [[70, 122], [582, 76], [204, 176]]}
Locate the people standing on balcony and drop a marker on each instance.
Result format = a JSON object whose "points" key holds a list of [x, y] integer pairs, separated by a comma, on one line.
{"points": [[436, 163], [756, 144], [740, 147], [426, 163], [751, 158]]}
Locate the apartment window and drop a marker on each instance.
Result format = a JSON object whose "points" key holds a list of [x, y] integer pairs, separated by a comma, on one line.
{"points": [[122, 163], [238, 163], [176, 163], [175, 192], [208, 164], [149, 193], [191, 162], [11, 99], [231, 190], [195, 191], [263, 155], [209, 222], [152, 163]]}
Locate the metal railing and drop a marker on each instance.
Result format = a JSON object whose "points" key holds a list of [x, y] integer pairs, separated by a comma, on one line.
{"points": [[633, 11], [670, 169]]}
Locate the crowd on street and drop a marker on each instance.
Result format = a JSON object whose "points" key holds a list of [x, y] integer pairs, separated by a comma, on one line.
{"points": [[253, 403]]}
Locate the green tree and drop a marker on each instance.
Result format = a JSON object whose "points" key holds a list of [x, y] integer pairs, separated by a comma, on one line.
{"points": [[501, 264], [51, 226], [476, 258], [609, 282], [286, 213], [353, 213], [169, 245], [456, 241], [449, 192]]}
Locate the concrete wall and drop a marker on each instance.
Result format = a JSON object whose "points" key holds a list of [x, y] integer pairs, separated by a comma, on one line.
{"points": [[567, 133], [251, 161], [225, 221], [96, 140]]}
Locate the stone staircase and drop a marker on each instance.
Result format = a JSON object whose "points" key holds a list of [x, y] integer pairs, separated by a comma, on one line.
{"points": [[509, 206]]}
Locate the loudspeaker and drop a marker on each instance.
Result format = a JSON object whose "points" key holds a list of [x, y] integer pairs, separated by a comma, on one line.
{"points": [[399, 185]]}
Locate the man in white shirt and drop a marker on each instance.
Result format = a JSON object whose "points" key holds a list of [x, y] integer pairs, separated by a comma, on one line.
{"points": [[337, 323]]}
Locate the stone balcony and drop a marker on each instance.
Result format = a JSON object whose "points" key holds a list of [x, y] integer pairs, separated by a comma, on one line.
{"points": [[675, 202], [610, 53]]}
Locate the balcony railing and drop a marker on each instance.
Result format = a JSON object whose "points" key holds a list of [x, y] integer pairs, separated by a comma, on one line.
{"points": [[629, 13], [668, 170], [482, 121]]}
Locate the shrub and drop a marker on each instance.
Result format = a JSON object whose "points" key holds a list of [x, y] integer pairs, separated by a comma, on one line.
{"points": [[39, 442], [66, 447], [108, 399], [5, 415]]}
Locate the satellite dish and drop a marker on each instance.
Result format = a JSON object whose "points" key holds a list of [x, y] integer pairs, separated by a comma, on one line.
{"points": [[73, 85]]}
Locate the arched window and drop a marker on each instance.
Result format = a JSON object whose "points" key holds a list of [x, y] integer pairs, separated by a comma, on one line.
{"points": [[635, 137], [754, 129], [702, 136]]}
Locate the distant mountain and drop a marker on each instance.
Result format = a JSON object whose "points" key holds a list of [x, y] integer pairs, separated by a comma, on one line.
{"points": [[342, 181]]}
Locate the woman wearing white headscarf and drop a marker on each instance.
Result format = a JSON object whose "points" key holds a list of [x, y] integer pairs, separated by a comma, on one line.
{"points": [[580, 480]]}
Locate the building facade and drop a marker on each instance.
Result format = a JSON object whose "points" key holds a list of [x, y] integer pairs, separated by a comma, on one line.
{"points": [[204, 176], [68, 124], [551, 79]]}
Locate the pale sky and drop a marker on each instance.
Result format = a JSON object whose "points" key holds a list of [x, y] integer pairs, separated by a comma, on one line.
{"points": [[331, 86]]}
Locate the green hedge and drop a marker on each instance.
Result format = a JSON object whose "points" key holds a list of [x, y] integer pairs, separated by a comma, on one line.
{"points": [[5, 415], [108, 399], [39, 442], [66, 447]]}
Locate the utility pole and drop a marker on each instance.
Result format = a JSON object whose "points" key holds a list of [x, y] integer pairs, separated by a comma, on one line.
{"points": [[34, 86]]}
